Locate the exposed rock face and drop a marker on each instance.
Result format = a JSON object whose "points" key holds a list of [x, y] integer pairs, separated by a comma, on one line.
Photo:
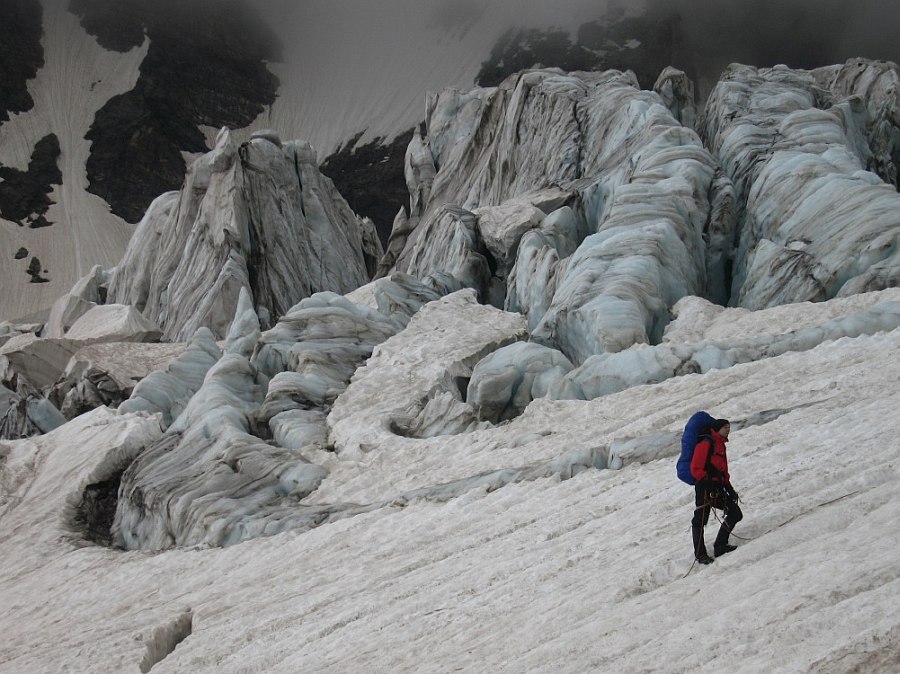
{"points": [[43, 152], [21, 54], [24, 194], [816, 221], [371, 178], [36, 270], [258, 216], [215, 77], [643, 44]]}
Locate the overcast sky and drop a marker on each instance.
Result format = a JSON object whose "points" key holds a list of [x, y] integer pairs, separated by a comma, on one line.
{"points": [[803, 30]]}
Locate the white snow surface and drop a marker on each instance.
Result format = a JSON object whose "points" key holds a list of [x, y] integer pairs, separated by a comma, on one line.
{"points": [[584, 569]]}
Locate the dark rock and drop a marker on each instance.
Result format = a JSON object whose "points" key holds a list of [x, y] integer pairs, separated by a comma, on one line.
{"points": [[519, 49], [206, 65], [132, 159], [370, 177], [94, 514], [644, 44], [21, 254], [24, 194], [38, 222], [21, 54], [34, 271], [118, 26]]}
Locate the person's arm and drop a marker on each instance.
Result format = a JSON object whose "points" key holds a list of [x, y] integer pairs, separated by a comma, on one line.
{"points": [[726, 476]]}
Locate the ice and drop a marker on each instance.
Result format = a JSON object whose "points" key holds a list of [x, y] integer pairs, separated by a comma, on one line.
{"points": [[298, 428], [511, 515], [44, 415], [169, 391], [113, 323], [256, 216], [505, 382], [639, 182], [380, 479], [244, 332], [808, 197]]}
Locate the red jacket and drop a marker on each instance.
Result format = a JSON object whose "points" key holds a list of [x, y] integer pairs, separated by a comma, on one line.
{"points": [[718, 463]]}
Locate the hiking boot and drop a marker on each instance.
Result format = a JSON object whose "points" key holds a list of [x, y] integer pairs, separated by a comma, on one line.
{"points": [[705, 559], [723, 549]]}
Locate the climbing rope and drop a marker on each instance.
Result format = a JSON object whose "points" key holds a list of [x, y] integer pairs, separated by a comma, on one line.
{"points": [[708, 503]]}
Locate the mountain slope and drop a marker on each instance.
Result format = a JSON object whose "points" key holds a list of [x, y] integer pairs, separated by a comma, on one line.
{"points": [[545, 573], [83, 231], [410, 477], [129, 76]]}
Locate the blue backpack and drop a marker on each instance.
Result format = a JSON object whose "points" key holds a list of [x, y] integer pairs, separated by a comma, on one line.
{"points": [[693, 429]]}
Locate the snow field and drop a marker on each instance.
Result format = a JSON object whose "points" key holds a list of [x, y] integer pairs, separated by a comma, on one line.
{"points": [[545, 575]]}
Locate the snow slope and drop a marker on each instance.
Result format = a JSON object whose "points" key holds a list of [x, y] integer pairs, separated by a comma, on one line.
{"points": [[384, 57], [558, 541], [591, 572], [77, 79]]}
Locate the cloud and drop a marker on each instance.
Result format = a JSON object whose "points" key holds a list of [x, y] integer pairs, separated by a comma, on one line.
{"points": [[798, 33]]}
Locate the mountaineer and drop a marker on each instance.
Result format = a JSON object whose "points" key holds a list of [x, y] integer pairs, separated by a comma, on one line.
{"points": [[709, 468]]}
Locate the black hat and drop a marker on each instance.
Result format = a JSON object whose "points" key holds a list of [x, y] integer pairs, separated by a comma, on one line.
{"points": [[718, 423]]}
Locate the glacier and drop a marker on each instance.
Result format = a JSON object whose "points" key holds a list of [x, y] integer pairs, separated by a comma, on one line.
{"points": [[262, 441], [498, 529], [618, 216], [636, 183], [256, 216], [812, 156]]}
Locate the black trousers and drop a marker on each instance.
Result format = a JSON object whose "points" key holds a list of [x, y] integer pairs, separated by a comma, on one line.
{"points": [[704, 502]]}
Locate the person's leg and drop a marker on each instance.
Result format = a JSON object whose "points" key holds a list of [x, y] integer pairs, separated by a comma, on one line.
{"points": [[733, 515], [699, 520]]}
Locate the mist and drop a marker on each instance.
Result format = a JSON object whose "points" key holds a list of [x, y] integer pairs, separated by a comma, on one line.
{"points": [[711, 34], [799, 34]]}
